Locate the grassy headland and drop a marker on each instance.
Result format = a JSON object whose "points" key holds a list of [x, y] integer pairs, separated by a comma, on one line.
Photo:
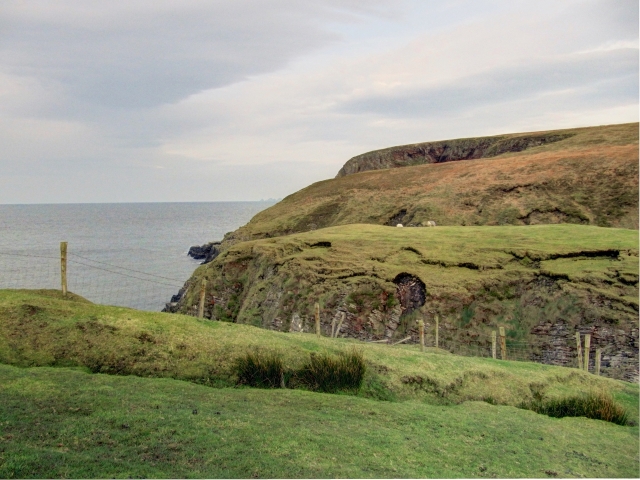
{"points": [[589, 177], [582, 278]]}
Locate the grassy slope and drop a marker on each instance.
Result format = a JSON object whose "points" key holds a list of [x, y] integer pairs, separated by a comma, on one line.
{"points": [[42, 329], [590, 178], [64, 423], [477, 278]]}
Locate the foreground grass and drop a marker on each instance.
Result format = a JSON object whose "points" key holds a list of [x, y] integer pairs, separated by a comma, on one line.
{"points": [[59, 422], [40, 328]]}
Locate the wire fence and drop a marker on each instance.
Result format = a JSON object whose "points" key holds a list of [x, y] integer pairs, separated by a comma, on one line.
{"points": [[100, 282]]}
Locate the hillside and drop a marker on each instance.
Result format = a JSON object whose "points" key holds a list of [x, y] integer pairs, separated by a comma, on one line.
{"points": [[428, 414], [589, 176], [41, 329], [543, 283], [484, 147]]}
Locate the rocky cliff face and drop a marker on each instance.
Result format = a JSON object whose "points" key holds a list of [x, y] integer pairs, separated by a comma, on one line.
{"points": [[447, 151], [382, 280]]}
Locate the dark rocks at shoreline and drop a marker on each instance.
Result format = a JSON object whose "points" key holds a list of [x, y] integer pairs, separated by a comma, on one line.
{"points": [[206, 252]]}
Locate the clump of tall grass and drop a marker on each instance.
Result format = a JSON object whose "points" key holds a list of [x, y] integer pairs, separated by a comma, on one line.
{"points": [[599, 406], [261, 370], [333, 373]]}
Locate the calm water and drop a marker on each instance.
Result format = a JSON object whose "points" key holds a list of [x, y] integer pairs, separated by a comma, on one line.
{"points": [[119, 254]]}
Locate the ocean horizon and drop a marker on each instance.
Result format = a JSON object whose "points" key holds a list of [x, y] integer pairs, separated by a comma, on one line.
{"points": [[126, 254]]}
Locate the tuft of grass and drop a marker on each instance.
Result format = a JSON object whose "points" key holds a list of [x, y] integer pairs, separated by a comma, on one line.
{"points": [[333, 373], [261, 370], [598, 406]]}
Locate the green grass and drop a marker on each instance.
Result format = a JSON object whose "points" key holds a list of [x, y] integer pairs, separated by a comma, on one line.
{"points": [[42, 329], [60, 422]]}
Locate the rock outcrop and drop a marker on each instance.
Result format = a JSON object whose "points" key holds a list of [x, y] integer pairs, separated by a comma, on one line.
{"points": [[447, 151], [206, 252]]}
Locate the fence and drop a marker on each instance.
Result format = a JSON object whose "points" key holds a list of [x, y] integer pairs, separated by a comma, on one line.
{"points": [[97, 281], [109, 284]]}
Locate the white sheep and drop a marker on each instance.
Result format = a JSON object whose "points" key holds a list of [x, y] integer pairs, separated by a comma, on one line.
{"points": [[430, 223]]}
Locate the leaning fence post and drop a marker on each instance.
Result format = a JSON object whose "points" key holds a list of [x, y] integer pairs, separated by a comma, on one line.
{"points": [[503, 344], [437, 329], [579, 350], [598, 354], [493, 344], [63, 267], [421, 328], [203, 286], [317, 314], [587, 347], [342, 316]]}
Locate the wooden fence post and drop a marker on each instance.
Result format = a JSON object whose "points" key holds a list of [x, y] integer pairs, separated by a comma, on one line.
{"points": [[493, 344], [503, 344], [333, 327], [587, 347], [342, 316], [421, 329], [317, 314], [437, 331], [63, 267], [579, 350], [598, 355], [203, 286]]}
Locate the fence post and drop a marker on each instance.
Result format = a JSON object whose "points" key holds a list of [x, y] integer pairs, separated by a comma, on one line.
{"points": [[317, 314], [203, 286], [503, 344], [333, 327], [598, 354], [421, 329], [342, 316], [493, 344], [63, 267], [587, 347], [437, 331], [579, 350]]}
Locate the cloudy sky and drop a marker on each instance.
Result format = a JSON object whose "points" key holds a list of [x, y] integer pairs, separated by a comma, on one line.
{"points": [[211, 100]]}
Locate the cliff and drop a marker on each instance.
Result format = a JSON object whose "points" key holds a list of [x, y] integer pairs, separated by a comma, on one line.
{"points": [[543, 283]]}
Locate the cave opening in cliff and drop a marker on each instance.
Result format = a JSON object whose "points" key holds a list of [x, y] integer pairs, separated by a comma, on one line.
{"points": [[411, 292]]}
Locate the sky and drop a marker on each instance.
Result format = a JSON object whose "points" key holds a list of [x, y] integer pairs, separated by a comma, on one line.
{"points": [[227, 100]]}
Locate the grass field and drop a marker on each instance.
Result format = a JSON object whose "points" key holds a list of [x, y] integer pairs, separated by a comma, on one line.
{"points": [[417, 414], [59, 422]]}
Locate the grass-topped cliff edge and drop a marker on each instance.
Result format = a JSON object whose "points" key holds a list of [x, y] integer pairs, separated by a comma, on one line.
{"points": [[543, 283]]}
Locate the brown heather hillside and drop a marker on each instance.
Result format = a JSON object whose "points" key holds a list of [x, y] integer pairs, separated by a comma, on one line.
{"points": [[590, 177]]}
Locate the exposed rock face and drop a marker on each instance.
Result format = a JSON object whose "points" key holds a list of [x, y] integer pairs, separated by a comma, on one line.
{"points": [[446, 151], [206, 252], [619, 348]]}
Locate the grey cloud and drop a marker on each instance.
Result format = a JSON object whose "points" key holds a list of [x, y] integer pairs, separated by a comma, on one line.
{"points": [[144, 58], [598, 70]]}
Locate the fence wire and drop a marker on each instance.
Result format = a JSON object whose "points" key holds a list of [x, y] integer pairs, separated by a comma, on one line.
{"points": [[97, 281], [110, 284]]}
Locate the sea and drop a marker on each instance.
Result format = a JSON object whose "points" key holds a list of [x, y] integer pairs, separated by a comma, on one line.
{"points": [[123, 254]]}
